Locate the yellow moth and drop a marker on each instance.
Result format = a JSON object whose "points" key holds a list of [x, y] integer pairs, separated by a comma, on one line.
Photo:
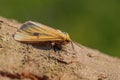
{"points": [[33, 32]]}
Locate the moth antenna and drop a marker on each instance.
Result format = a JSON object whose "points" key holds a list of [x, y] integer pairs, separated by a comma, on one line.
{"points": [[72, 45]]}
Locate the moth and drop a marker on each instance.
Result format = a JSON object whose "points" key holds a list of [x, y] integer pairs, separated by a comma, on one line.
{"points": [[33, 32]]}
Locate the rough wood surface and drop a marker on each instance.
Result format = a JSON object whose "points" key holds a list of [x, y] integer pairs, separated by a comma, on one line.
{"points": [[20, 61]]}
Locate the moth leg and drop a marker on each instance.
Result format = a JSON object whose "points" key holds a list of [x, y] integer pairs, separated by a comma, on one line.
{"points": [[56, 46]]}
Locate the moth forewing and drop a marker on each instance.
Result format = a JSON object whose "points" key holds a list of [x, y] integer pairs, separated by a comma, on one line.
{"points": [[32, 32], [43, 28]]}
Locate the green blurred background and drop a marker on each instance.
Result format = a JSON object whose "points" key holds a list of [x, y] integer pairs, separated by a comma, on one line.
{"points": [[93, 23]]}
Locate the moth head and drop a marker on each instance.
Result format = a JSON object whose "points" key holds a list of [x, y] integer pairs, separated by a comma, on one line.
{"points": [[67, 37]]}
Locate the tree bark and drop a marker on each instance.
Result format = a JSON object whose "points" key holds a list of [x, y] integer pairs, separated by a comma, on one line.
{"points": [[20, 61]]}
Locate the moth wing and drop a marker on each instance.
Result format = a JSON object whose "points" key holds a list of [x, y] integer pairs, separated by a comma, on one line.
{"points": [[35, 32]]}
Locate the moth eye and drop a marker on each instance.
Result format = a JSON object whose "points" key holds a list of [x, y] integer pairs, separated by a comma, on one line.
{"points": [[67, 41], [36, 34]]}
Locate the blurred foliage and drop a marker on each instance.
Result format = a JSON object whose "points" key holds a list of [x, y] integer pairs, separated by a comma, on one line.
{"points": [[94, 23]]}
